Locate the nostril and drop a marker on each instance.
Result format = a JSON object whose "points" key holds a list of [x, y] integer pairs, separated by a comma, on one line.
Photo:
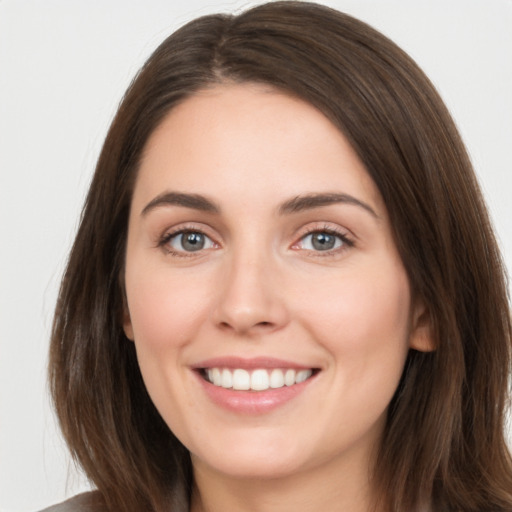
{"points": [[258, 327]]}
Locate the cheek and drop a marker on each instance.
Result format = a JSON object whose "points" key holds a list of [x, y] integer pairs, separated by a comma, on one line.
{"points": [[165, 307], [166, 310], [362, 318]]}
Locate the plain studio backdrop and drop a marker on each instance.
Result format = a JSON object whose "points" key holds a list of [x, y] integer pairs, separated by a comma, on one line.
{"points": [[64, 66]]}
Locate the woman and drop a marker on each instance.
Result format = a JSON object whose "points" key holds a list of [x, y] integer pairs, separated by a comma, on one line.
{"points": [[285, 291]]}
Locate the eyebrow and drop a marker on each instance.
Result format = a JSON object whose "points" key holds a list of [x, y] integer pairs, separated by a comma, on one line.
{"points": [[294, 205], [194, 201], [310, 201]]}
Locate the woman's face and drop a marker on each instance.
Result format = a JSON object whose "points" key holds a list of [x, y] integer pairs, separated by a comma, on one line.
{"points": [[270, 310]]}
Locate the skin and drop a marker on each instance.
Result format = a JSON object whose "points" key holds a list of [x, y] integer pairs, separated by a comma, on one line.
{"points": [[260, 288]]}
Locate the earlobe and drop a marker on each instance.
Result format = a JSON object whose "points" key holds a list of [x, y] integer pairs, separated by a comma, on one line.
{"points": [[126, 318], [421, 335], [127, 322]]}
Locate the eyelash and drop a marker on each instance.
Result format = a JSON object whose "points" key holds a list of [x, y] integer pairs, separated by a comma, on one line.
{"points": [[346, 241], [170, 235]]}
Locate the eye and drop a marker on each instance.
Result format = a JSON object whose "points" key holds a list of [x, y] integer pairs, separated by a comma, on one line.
{"points": [[188, 241], [323, 241]]}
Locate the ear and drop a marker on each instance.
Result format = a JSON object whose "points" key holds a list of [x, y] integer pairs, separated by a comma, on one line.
{"points": [[127, 321], [421, 335]]}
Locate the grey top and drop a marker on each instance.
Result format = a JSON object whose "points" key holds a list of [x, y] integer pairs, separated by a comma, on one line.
{"points": [[86, 502], [93, 502]]}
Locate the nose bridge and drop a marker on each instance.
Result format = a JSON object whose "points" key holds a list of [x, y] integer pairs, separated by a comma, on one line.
{"points": [[249, 298]]}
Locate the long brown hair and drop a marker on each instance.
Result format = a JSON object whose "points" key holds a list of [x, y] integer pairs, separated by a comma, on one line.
{"points": [[444, 439]]}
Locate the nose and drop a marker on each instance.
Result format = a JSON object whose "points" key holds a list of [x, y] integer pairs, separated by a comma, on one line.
{"points": [[251, 301]]}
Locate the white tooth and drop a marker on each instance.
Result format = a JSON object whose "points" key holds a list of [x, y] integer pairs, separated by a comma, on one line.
{"points": [[259, 380], [289, 377], [217, 377], [241, 380], [226, 379], [277, 378], [302, 376], [209, 372]]}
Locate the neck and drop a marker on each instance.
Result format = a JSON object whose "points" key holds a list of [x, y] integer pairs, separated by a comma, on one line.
{"points": [[326, 488]]}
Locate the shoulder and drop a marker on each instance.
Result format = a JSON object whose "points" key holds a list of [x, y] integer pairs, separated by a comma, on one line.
{"points": [[86, 502]]}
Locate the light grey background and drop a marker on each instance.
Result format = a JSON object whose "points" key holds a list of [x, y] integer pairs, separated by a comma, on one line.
{"points": [[64, 66]]}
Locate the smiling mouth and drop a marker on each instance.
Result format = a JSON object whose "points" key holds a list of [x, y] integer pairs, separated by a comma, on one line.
{"points": [[258, 379]]}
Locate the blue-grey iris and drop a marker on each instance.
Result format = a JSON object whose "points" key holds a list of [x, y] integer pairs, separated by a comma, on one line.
{"points": [[323, 241], [192, 241]]}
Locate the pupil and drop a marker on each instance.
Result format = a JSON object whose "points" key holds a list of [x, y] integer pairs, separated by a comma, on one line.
{"points": [[323, 241], [193, 241]]}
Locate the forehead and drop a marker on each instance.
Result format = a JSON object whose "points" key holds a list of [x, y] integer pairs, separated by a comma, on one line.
{"points": [[234, 138]]}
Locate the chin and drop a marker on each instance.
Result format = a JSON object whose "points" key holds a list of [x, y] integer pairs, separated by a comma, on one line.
{"points": [[266, 459], [247, 469]]}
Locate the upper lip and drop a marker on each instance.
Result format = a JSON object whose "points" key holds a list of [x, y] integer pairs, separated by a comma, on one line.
{"points": [[249, 363]]}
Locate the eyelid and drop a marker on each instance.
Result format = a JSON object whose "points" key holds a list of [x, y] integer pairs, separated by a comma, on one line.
{"points": [[346, 237], [343, 234], [169, 233]]}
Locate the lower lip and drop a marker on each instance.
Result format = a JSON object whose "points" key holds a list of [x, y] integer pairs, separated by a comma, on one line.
{"points": [[252, 402]]}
